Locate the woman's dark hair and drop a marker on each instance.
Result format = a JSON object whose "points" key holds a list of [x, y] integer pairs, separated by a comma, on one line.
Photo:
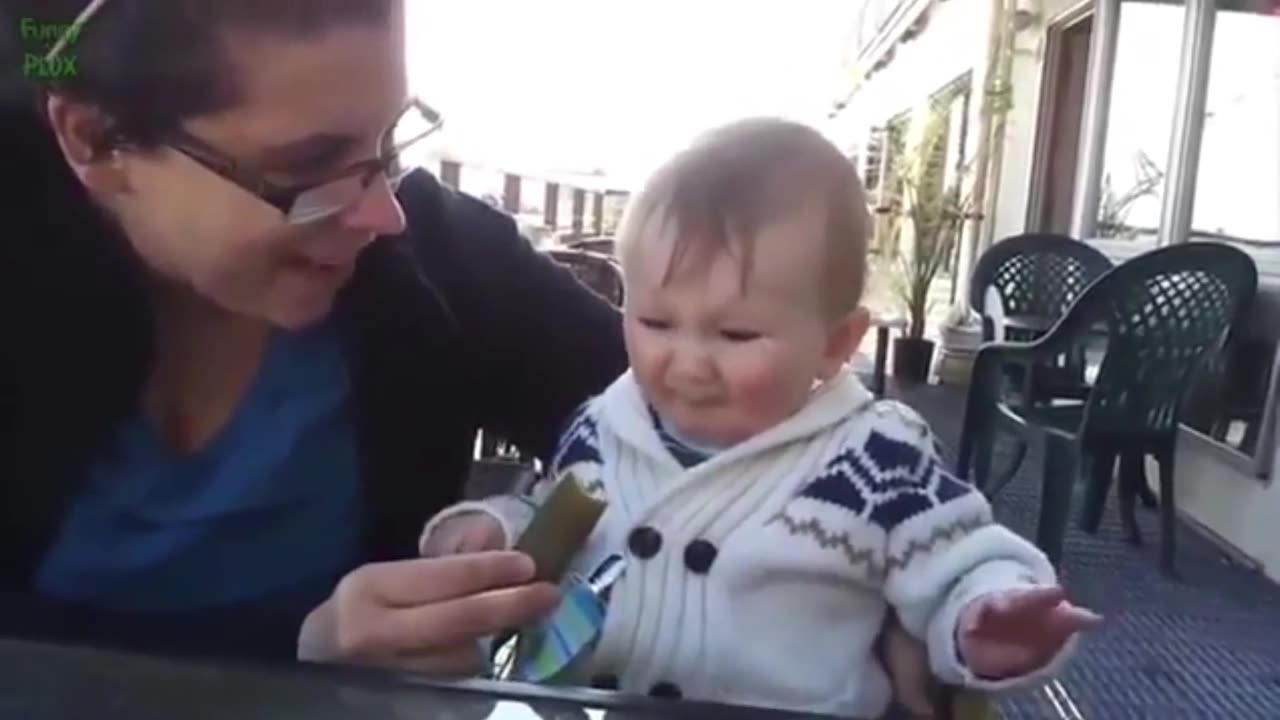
{"points": [[151, 63], [75, 288]]}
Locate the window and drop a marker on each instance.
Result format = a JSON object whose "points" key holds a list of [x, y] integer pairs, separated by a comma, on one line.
{"points": [[1239, 166], [1239, 173], [874, 159]]}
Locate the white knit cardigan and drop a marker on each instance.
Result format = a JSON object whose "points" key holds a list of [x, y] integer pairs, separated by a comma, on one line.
{"points": [[775, 560]]}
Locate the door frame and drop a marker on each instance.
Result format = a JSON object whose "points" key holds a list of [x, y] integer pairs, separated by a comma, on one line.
{"points": [[1047, 107]]}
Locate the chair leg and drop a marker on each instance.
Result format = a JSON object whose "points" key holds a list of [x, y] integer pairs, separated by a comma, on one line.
{"points": [[1102, 470], [1132, 476], [1168, 514], [1057, 482], [983, 448], [488, 444], [964, 453], [1145, 496]]}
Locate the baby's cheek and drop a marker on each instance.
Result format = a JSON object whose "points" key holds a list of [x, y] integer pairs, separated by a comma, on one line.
{"points": [[646, 362], [764, 387]]}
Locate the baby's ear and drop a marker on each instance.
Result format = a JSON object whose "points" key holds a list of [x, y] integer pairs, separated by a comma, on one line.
{"points": [[843, 338]]}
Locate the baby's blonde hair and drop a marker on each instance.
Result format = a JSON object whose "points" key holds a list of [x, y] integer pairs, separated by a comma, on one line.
{"points": [[736, 178]]}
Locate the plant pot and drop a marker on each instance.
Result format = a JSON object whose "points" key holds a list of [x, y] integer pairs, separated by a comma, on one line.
{"points": [[912, 358]]}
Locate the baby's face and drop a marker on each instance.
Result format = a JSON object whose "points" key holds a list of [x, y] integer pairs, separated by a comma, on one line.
{"points": [[722, 362]]}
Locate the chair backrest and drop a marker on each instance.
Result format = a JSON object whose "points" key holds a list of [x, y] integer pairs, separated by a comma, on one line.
{"points": [[1034, 274], [598, 272], [1166, 312]]}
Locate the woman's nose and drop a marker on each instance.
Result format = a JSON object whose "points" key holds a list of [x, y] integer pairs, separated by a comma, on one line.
{"points": [[378, 211]]}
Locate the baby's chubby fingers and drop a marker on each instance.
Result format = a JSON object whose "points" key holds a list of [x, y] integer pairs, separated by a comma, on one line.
{"points": [[1031, 600], [1069, 619], [482, 534]]}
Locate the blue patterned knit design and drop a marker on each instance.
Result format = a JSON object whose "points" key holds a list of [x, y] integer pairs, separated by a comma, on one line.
{"points": [[886, 481], [580, 441]]}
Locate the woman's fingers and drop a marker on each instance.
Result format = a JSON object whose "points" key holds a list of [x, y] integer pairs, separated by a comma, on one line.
{"points": [[460, 621], [420, 581], [427, 612]]}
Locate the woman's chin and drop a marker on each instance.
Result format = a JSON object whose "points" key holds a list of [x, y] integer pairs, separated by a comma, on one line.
{"points": [[300, 312]]}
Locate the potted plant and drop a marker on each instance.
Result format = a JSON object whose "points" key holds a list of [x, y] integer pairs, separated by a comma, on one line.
{"points": [[926, 214], [1113, 210]]}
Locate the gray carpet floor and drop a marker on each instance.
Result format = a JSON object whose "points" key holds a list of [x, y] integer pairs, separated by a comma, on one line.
{"points": [[1204, 646]]}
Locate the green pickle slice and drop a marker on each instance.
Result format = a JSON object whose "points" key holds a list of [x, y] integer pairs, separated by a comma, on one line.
{"points": [[560, 528]]}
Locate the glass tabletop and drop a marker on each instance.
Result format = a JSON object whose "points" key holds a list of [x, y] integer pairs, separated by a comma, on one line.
{"points": [[48, 682]]}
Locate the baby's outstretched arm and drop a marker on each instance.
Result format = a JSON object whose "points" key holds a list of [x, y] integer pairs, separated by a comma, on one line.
{"points": [[986, 602]]}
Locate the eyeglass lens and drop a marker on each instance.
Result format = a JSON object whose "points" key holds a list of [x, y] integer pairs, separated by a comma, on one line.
{"points": [[407, 152]]}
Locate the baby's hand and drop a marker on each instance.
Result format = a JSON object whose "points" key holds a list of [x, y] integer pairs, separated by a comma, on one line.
{"points": [[1016, 632], [907, 661], [469, 532]]}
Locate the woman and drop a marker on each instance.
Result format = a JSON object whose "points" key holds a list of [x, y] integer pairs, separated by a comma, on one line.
{"points": [[239, 368]]}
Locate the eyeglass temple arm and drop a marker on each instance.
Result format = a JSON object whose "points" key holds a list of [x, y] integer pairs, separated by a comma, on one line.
{"points": [[73, 30]]}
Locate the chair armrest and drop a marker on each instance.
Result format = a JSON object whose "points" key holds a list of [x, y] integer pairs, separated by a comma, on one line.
{"points": [[984, 385]]}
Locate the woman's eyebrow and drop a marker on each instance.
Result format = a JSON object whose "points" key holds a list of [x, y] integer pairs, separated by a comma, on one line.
{"points": [[313, 151]]}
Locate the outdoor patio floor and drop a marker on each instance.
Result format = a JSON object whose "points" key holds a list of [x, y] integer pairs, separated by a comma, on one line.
{"points": [[1205, 646]]}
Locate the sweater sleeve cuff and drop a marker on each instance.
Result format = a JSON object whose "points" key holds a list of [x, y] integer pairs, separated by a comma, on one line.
{"points": [[945, 658], [510, 513]]}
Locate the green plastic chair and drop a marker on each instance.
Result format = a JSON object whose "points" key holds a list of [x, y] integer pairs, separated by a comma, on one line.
{"points": [[1035, 275], [1162, 314]]}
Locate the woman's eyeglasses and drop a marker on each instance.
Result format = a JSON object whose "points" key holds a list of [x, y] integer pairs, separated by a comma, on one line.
{"points": [[339, 190]]}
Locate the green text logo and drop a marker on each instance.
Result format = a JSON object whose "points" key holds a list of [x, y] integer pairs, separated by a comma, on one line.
{"points": [[59, 67], [38, 33]]}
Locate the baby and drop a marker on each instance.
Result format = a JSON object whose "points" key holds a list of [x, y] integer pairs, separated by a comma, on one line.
{"points": [[770, 510]]}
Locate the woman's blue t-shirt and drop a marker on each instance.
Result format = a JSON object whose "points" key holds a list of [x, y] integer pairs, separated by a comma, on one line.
{"points": [[267, 513]]}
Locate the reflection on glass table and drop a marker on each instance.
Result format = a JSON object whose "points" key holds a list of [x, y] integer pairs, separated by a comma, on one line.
{"points": [[45, 682]]}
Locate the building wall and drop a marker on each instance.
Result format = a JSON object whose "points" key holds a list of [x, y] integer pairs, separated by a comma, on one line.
{"points": [[1240, 509], [1012, 193], [952, 44], [943, 52]]}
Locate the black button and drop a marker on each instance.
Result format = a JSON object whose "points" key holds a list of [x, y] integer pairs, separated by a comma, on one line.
{"points": [[698, 556], [644, 542], [666, 690], [605, 682]]}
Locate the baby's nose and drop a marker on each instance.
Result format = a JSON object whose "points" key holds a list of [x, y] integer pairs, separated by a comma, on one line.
{"points": [[692, 364]]}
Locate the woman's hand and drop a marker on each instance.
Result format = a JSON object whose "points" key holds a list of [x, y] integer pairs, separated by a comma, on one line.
{"points": [[425, 614]]}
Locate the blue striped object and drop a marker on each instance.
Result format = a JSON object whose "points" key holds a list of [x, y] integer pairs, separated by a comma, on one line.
{"points": [[562, 638], [543, 653]]}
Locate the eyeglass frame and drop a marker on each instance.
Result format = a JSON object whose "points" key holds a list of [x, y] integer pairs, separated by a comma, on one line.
{"points": [[282, 197]]}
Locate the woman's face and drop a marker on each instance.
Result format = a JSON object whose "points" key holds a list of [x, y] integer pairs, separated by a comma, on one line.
{"points": [[309, 107]]}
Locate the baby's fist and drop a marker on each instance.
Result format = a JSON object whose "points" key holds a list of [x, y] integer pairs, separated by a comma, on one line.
{"points": [[469, 532]]}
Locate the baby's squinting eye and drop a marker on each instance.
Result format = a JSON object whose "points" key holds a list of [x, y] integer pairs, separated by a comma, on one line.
{"points": [[655, 323], [738, 336]]}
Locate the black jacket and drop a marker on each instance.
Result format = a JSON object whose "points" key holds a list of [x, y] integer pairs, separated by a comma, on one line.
{"points": [[455, 325]]}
